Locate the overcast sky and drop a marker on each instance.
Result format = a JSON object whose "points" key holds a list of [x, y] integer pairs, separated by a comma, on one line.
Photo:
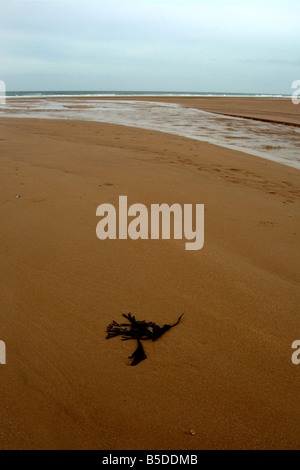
{"points": [[250, 46]]}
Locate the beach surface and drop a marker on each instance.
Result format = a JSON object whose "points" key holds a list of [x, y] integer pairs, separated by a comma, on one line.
{"points": [[277, 110], [223, 378], [280, 110]]}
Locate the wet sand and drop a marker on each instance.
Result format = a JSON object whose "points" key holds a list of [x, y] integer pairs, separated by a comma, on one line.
{"points": [[225, 372], [267, 133], [280, 110]]}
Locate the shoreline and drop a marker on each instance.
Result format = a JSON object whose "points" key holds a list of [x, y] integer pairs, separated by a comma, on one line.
{"points": [[231, 123], [236, 150], [266, 109]]}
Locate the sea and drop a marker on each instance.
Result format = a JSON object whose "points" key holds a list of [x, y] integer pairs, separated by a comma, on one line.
{"points": [[34, 94]]}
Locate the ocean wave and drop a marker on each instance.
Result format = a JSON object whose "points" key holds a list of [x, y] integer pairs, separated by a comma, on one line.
{"points": [[88, 94]]}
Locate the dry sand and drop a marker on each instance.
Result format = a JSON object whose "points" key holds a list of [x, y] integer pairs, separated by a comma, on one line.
{"points": [[225, 372]]}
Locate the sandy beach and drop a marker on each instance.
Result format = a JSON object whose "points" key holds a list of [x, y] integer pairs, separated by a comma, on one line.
{"points": [[223, 378], [280, 110]]}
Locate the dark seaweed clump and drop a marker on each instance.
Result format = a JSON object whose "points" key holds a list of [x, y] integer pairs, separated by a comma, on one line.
{"points": [[139, 331]]}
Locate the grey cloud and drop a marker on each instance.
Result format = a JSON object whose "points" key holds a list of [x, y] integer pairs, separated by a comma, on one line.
{"points": [[195, 45]]}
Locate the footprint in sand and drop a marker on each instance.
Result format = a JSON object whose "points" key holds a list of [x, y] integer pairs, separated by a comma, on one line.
{"points": [[266, 223]]}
